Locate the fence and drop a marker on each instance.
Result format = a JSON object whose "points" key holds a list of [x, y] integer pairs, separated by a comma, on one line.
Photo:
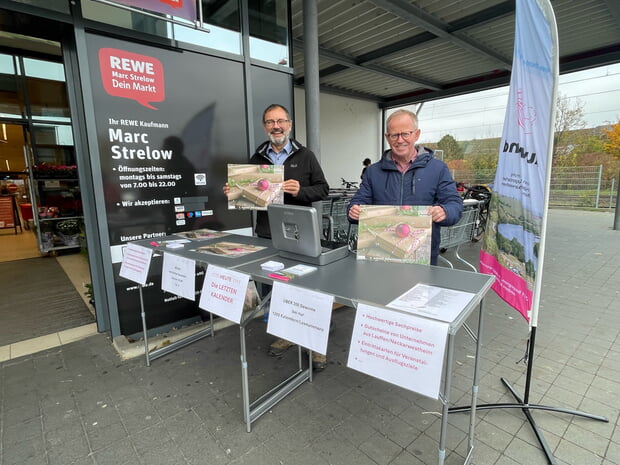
{"points": [[572, 186]]}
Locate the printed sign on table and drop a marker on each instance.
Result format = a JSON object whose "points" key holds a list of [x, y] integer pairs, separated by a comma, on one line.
{"points": [[223, 292], [399, 348], [301, 316], [400, 233], [434, 302], [179, 276], [136, 263], [254, 187]]}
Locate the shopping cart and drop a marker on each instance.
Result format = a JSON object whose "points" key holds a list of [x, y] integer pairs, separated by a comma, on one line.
{"points": [[336, 226], [461, 232]]}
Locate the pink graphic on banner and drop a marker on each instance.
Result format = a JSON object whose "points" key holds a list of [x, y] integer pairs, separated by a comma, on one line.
{"points": [[526, 114], [185, 9], [132, 76], [508, 285]]}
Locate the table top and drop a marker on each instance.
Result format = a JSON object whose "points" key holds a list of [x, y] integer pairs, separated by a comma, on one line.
{"points": [[349, 280]]}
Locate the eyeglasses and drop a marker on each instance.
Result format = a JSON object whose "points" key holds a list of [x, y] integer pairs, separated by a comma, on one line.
{"points": [[281, 122], [405, 135]]}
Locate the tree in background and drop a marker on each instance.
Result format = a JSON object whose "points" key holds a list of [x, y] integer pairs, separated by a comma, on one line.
{"points": [[612, 143], [568, 117], [451, 148]]}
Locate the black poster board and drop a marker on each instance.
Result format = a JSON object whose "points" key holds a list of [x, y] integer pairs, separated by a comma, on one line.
{"points": [[167, 123]]}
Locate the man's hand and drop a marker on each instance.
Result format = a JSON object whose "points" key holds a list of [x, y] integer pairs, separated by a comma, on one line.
{"points": [[354, 212], [437, 213], [291, 186]]}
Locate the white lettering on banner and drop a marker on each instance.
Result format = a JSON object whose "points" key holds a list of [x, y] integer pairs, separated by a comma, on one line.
{"points": [[127, 64], [118, 135], [141, 154]]}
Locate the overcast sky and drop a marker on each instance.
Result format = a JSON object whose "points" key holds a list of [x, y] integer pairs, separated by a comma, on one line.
{"points": [[481, 115]]}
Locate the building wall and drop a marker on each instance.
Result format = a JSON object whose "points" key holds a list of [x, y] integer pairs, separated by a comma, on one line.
{"points": [[350, 132]]}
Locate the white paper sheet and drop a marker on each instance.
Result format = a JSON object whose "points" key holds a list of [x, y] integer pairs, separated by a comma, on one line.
{"points": [[179, 276], [434, 302], [223, 292], [402, 349], [301, 316], [136, 263]]}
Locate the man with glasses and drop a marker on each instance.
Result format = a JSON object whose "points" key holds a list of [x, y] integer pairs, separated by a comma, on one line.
{"points": [[304, 183], [408, 174]]}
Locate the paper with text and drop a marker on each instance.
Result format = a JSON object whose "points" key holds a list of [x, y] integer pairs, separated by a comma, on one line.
{"points": [[179, 276], [223, 292], [136, 263], [405, 350], [432, 301], [300, 316]]}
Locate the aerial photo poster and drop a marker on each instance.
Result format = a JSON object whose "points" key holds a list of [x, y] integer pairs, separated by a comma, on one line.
{"points": [[394, 233]]}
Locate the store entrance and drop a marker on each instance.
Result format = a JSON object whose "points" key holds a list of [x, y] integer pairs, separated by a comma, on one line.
{"points": [[18, 241], [44, 259]]}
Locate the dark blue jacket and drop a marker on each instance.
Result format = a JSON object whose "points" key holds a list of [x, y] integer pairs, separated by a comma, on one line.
{"points": [[427, 182]]}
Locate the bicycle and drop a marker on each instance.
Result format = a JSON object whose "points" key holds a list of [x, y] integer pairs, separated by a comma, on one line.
{"points": [[348, 184], [482, 194]]}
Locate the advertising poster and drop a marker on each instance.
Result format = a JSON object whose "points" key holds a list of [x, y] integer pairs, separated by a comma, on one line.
{"points": [[400, 233], [167, 127]]}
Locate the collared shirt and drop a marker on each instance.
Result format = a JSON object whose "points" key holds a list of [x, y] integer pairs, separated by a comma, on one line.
{"points": [[277, 158], [403, 167]]}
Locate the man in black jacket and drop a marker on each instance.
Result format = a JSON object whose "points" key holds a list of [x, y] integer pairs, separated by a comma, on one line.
{"points": [[304, 183]]}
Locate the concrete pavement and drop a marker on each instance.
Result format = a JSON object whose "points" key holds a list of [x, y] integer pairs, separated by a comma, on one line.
{"points": [[80, 404]]}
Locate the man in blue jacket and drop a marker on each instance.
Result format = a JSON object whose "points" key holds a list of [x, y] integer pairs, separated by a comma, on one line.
{"points": [[409, 175]]}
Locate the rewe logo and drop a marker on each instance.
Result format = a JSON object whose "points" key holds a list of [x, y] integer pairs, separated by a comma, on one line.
{"points": [[173, 3], [133, 76], [514, 147]]}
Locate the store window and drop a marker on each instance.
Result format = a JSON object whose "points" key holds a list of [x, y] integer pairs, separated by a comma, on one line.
{"points": [[269, 31], [47, 90], [61, 7], [217, 25], [11, 93], [218, 30]]}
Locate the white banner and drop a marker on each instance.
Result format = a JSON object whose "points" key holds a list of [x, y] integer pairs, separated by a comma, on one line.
{"points": [[514, 242]]}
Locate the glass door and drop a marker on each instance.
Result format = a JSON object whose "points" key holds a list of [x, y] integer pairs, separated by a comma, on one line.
{"points": [[33, 97]]}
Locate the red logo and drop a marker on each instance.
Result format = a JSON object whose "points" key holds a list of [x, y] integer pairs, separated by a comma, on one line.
{"points": [[133, 76], [173, 3]]}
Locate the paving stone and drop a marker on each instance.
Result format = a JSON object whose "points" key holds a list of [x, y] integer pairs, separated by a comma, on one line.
{"points": [[186, 407]]}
